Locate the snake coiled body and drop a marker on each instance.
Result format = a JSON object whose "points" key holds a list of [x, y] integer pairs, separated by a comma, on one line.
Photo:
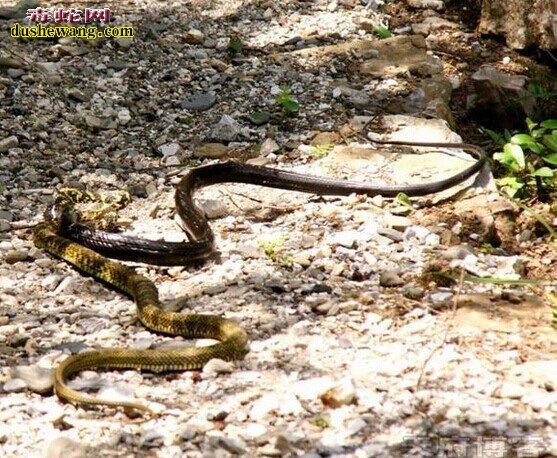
{"points": [[232, 338], [86, 249]]}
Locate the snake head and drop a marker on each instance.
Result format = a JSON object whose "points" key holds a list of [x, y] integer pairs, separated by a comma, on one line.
{"points": [[61, 214]]}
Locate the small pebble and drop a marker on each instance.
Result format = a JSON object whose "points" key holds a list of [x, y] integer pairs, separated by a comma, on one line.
{"points": [[339, 395], [15, 385], [390, 278], [217, 366], [13, 256]]}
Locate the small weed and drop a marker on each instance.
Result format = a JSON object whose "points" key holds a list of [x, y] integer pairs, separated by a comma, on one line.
{"points": [[286, 261], [403, 200], [381, 31], [194, 162], [287, 102], [486, 248], [528, 160], [235, 46], [270, 247], [321, 421], [321, 150]]}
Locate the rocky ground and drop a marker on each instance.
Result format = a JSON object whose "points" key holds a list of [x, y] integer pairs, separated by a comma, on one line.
{"points": [[353, 350]]}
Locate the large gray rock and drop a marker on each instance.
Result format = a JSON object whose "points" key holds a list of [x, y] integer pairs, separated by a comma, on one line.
{"points": [[500, 100], [431, 99]]}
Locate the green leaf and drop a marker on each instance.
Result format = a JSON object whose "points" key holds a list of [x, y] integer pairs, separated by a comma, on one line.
{"points": [[515, 151], [521, 139], [403, 199], [543, 172], [287, 101], [511, 192], [511, 185], [235, 46], [549, 124], [537, 133], [291, 106], [527, 141], [495, 137], [551, 142], [530, 124], [551, 158], [260, 117], [500, 157], [536, 147], [535, 89], [507, 135], [511, 182], [285, 93], [381, 31], [321, 150], [507, 160]]}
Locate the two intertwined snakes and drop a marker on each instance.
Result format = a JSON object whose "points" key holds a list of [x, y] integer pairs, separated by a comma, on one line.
{"points": [[86, 249]]}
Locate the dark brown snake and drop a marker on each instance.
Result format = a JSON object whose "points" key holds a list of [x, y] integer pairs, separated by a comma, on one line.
{"points": [[86, 249]]}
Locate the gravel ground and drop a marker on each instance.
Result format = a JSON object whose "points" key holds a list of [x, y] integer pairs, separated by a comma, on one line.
{"points": [[353, 351]]}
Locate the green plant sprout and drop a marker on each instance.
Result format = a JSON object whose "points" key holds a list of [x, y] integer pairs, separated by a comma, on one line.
{"points": [[286, 100], [528, 160]]}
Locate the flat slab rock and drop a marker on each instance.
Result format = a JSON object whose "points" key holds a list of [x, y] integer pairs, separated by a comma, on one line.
{"points": [[382, 58], [420, 165]]}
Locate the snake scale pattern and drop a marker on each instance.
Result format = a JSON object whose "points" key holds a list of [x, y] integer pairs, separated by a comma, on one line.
{"points": [[88, 249]]}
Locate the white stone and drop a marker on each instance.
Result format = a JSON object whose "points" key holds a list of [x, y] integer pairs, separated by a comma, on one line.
{"points": [[355, 426], [512, 390], [218, 366], [124, 116], [312, 388], [263, 406], [15, 385], [214, 208], [169, 149]]}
